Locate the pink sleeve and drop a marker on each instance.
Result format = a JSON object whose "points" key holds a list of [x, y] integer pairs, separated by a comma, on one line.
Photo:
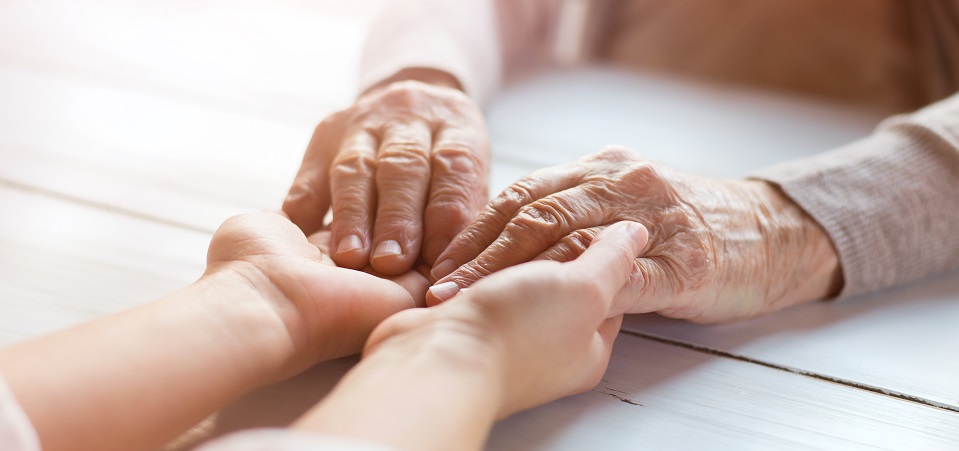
{"points": [[475, 41], [287, 440], [16, 431]]}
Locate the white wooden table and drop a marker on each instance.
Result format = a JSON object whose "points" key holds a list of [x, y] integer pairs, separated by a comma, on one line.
{"points": [[128, 132]]}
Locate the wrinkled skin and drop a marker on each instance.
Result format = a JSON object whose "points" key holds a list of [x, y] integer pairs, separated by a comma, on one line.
{"points": [[404, 170], [718, 249], [327, 312], [542, 330]]}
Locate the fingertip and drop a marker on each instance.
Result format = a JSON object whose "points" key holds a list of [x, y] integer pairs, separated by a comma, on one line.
{"points": [[351, 252], [390, 258], [441, 292], [638, 234]]}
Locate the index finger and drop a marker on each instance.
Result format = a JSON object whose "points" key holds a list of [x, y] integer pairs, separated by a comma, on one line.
{"points": [[309, 197], [609, 258]]}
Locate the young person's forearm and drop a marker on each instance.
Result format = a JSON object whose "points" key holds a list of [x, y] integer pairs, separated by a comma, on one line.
{"points": [[135, 379], [393, 394]]}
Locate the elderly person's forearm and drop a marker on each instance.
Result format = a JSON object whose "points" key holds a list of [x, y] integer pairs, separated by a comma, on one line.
{"points": [[890, 201]]}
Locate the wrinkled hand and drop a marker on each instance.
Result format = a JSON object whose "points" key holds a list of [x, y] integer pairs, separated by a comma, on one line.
{"points": [[541, 330], [718, 249], [403, 169], [327, 312]]}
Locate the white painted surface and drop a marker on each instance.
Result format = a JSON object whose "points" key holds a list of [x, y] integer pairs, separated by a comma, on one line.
{"points": [[120, 152]]}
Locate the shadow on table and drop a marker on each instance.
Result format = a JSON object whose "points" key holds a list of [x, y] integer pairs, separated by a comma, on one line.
{"points": [[277, 405]]}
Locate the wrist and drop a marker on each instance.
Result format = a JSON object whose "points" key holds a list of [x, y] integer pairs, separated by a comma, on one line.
{"points": [[804, 265], [256, 327], [433, 375], [425, 75]]}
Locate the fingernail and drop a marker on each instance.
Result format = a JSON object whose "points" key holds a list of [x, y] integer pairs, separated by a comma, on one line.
{"points": [[445, 290], [443, 269], [349, 244], [388, 248]]}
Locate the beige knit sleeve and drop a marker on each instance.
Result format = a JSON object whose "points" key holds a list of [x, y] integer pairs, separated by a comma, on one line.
{"points": [[890, 202]]}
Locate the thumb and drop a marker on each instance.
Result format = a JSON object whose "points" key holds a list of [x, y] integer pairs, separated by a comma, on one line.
{"points": [[609, 257]]}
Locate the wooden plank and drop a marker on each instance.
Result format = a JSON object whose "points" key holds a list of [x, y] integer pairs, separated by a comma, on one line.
{"points": [[901, 341], [278, 59], [145, 153], [159, 157], [96, 109], [62, 263], [657, 396]]}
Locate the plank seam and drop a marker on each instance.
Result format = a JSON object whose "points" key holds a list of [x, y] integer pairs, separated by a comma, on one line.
{"points": [[100, 206], [789, 369]]}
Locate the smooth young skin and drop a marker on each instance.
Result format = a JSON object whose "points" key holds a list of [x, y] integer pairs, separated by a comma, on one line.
{"points": [[269, 306], [719, 249], [404, 170], [522, 337]]}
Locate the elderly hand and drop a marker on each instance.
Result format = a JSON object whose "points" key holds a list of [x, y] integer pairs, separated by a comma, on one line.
{"points": [[533, 333], [403, 169], [718, 249], [324, 312]]}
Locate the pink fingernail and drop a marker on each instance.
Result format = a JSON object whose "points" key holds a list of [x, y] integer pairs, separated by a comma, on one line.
{"points": [[388, 248], [445, 290], [443, 269], [349, 244]]}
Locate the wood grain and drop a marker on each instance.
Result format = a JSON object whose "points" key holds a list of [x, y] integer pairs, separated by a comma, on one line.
{"points": [[125, 145]]}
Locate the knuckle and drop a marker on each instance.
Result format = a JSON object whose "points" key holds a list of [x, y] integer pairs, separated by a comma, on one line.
{"points": [[305, 188], [353, 163], [453, 209], [614, 153], [542, 217], [578, 240], [570, 247], [471, 272], [456, 158], [637, 277], [402, 92], [646, 173], [513, 198], [403, 155]]}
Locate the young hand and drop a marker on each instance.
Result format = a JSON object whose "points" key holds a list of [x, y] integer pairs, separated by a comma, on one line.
{"points": [[543, 326], [325, 311], [522, 337]]}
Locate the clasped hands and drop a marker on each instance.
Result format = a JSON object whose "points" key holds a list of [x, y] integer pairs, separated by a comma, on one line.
{"points": [[404, 173]]}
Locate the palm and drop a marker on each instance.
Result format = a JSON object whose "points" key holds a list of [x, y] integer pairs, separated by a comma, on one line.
{"points": [[328, 311]]}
